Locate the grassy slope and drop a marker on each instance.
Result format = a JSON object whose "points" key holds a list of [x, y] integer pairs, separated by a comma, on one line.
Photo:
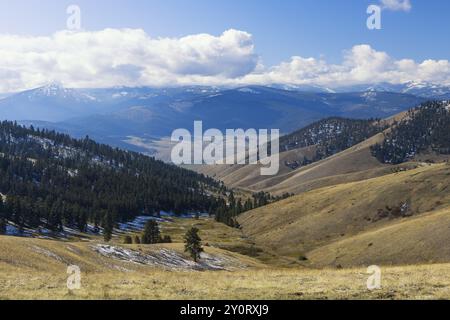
{"points": [[301, 224], [410, 241], [418, 282], [27, 274], [221, 236], [354, 164], [28, 254], [247, 176]]}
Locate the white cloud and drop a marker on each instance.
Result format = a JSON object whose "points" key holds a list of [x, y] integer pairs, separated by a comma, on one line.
{"points": [[130, 57], [361, 65], [397, 5], [127, 57]]}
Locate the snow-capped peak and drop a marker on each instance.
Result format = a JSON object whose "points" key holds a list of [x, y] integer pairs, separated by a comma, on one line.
{"points": [[57, 90], [52, 89]]}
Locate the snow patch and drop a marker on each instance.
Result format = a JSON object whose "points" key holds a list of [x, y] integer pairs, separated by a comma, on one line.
{"points": [[167, 259], [248, 90], [47, 253]]}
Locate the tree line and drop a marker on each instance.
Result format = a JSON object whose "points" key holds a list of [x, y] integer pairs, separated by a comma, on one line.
{"points": [[51, 180], [227, 209], [424, 129]]}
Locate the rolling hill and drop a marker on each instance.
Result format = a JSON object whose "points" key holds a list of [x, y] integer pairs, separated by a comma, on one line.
{"points": [[332, 217], [309, 164], [353, 210]]}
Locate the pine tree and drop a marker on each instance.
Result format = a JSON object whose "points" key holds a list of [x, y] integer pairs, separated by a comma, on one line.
{"points": [[2, 225], [127, 240], [108, 227], [151, 233], [2, 218], [193, 244]]}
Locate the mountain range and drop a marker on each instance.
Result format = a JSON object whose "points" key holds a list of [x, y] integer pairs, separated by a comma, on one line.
{"points": [[121, 116]]}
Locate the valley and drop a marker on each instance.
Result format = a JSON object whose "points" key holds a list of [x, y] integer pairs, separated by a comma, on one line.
{"points": [[350, 194], [225, 155]]}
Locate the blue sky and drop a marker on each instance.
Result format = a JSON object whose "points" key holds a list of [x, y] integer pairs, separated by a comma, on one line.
{"points": [[280, 30]]}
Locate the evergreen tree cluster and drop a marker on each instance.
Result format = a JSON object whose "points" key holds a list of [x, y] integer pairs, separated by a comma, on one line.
{"points": [[330, 136], [227, 211], [51, 180], [425, 129]]}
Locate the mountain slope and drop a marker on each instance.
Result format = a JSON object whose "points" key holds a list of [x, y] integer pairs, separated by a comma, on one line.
{"points": [[331, 151], [52, 181], [311, 220], [324, 156], [54, 103], [424, 130], [409, 241]]}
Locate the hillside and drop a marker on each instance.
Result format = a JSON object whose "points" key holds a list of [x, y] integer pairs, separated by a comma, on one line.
{"points": [[50, 181], [37, 269], [352, 209], [337, 150], [324, 153], [338, 215], [424, 130]]}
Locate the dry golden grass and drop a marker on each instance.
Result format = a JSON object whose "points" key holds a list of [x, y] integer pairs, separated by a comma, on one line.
{"points": [[230, 239], [247, 177], [311, 220], [415, 240], [37, 269], [418, 282], [353, 164]]}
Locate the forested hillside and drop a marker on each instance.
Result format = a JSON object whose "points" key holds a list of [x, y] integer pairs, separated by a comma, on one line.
{"points": [[425, 129], [51, 180], [331, 136]]}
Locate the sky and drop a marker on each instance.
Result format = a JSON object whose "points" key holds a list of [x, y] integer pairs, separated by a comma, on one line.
{"points": [[222, 42]]}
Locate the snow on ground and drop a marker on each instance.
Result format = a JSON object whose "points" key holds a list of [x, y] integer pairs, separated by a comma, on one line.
{"points": [[135, 225], [164, 214], [12, 230], [165, 258], [47, 253], [138, 223]]}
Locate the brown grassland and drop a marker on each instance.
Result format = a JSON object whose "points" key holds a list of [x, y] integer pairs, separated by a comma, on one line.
{"points": [[27, 273]]}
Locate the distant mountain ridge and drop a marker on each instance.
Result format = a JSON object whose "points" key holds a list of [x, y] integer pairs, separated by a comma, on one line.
{"points": [[113, 115], [421, 89]]}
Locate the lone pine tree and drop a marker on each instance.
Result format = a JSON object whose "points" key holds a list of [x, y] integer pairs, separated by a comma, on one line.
{"points": [[2, 218], [193, 244], [151, 233], [108, 226]]}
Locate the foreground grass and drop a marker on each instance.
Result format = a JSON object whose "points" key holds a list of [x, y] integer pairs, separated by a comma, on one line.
{"points": [[37, 269], [416, 282]]}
